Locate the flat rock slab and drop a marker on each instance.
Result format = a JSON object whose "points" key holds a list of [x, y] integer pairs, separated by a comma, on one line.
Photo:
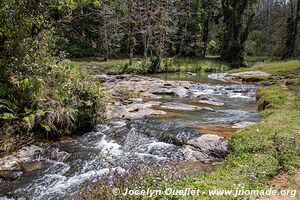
{"points": [[137, 110], [213, 103], [234, 77], [205, 148], [250, 74], [182, 106], [242, 125], [12, 161], [146, 86], [210, 100]]}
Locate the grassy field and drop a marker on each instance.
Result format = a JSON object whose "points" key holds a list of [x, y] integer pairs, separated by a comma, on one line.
{"points": [[257, 154], [273, 68]]}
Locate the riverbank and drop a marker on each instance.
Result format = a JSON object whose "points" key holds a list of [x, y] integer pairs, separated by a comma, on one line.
{"points": [[257, 154]]}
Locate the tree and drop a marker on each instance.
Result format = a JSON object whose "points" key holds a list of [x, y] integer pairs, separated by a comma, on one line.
{"points": [[236, 29], [208, 13], [107, 27], [292, 29]]}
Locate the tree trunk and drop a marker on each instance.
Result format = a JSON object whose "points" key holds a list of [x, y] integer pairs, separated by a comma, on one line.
{"points": [[292, 31], [234, 38], [183, 37], [205, 36], [145, 47], [130, 54]]}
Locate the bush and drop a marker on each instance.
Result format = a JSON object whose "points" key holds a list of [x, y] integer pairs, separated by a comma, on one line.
{"points": [[66, 100]]}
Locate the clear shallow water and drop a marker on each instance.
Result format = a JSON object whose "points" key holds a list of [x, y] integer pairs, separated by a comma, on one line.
{"points": [[239, 102], [118, 146]]}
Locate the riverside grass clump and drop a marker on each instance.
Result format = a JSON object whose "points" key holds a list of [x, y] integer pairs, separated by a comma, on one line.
{"points": [[63, 100]]}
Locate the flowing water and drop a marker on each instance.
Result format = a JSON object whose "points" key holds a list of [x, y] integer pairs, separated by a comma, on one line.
{"points": [[119, 145]]}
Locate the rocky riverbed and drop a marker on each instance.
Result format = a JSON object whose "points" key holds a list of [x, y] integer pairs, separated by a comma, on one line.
{"points": [[164, 121]]}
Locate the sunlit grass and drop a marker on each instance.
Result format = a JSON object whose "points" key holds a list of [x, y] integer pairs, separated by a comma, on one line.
{"points": [[273, 68]]}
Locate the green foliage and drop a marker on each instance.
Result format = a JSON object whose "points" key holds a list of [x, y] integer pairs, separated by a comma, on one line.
{"points": [[40, 94], [68, 100], [213, 48]]}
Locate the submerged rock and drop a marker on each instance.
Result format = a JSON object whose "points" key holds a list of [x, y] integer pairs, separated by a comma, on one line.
{"points": [[182, 106], [207, 99], [220, 130]]}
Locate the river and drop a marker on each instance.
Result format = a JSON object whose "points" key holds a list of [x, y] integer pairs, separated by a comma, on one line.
{"points": [[210, 110]]}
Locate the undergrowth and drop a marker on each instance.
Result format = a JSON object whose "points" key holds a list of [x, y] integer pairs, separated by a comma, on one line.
{"points": [[63, 101]]}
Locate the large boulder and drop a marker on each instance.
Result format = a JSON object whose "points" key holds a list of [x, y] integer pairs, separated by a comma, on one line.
{"points": [[205, 147]]}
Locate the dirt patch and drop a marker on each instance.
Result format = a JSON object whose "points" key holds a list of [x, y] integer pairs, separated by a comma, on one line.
{"points": [[284, 181]]}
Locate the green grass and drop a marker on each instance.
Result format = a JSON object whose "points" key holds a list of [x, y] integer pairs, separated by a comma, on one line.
{"points": [[273, 68], [252, 60], [95, 66], [200, 65], [140, 66]]}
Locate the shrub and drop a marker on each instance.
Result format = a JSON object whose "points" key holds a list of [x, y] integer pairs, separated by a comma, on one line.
{"points": [[66, 100]]}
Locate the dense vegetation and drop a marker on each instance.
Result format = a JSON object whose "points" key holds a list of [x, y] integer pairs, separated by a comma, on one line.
{"points": [[41, 94], [193, 28]]}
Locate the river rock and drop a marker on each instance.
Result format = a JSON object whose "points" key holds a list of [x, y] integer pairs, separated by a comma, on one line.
{"points": [[190, 73], [137, 110], [205, 147], [234, 77], [10, 174], [213, 103], [182, 106], [207, 99], [250, 74], [12, 162], [102, 77], [147, 86], [30, 167], [220, 76], [242, 125], [231, 91]]}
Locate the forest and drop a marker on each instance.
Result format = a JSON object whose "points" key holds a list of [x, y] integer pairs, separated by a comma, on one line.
{"points": [[200, 94]]}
